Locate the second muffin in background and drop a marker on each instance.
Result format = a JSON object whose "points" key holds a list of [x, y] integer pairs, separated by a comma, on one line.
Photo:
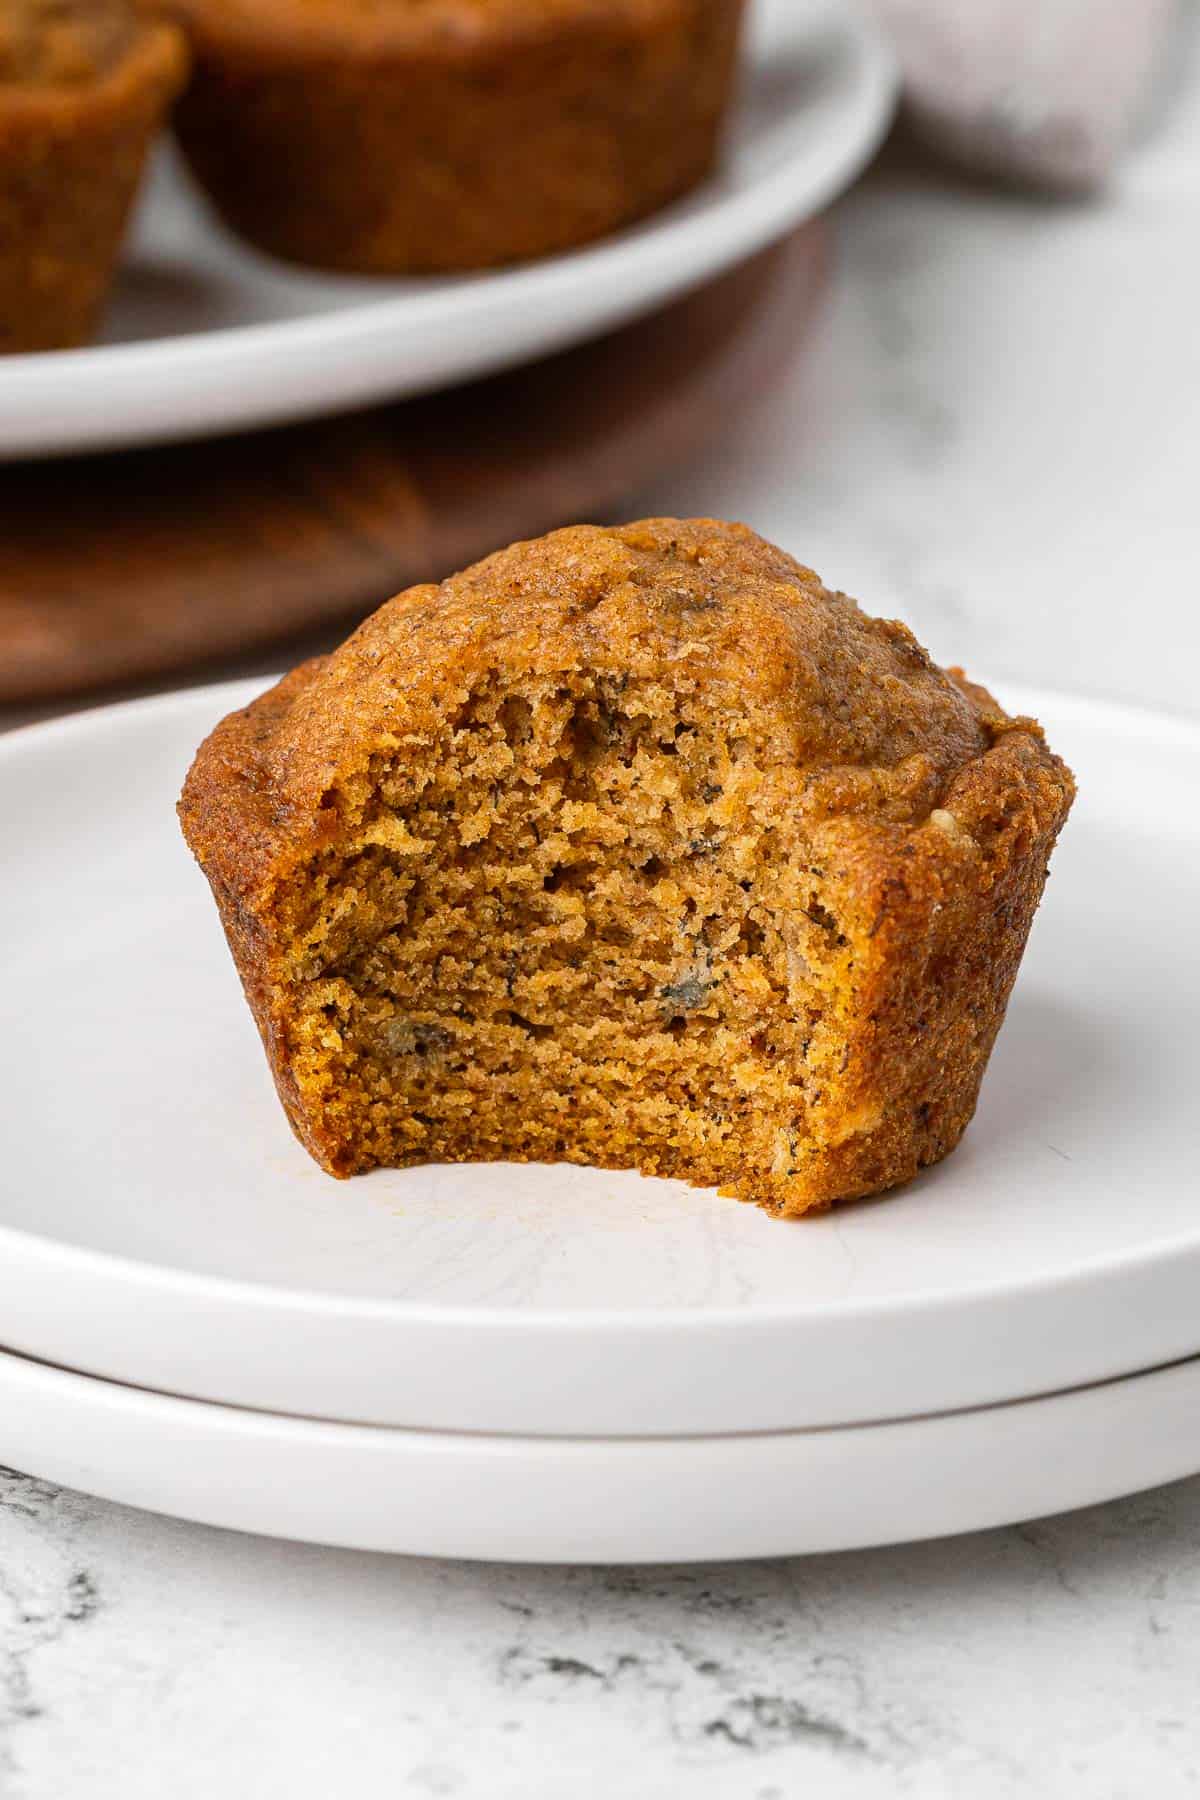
{"points": [[393, 136]]}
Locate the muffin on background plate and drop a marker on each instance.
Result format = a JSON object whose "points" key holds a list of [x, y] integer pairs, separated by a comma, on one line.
{"points": [[84, 87], [632, 847], [394, 136]]}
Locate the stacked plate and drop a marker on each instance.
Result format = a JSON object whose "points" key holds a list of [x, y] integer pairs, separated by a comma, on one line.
{"points": [[565, 1364]]}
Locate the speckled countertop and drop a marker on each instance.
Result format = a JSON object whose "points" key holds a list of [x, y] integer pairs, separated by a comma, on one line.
{"points": [[141, 1658], [996, 437]]}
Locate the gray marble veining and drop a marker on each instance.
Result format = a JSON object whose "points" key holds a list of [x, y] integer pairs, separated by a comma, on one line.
{"points": [[142, 1657]]}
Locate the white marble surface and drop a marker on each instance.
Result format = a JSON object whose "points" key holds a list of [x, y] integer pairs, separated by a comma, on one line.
{"points": [[995, 436], [997, 433], [142, 1659]]}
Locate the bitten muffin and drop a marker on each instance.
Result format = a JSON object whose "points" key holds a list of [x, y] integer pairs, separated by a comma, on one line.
{"points": [[84, 85], [633, 847], [387, 136]]}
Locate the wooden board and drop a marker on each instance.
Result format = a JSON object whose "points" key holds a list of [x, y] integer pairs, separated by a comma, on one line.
{"points": [[139, 564]]}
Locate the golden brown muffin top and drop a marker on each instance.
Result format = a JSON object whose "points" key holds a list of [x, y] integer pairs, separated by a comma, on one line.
{"points": [[445, 26], [428, 12], [63, 43], [852, 700]]}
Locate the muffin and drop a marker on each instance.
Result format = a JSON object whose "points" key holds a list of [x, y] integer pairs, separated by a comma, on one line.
{"points": [[632, 847], [391, 136], [84, 85]]}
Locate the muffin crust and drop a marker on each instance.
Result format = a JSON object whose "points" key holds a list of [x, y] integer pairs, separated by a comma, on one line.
{"points": [[53, 43]]}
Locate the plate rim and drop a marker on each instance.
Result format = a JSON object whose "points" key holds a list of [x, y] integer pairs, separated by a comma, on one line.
{"points": [[579, 1500]]}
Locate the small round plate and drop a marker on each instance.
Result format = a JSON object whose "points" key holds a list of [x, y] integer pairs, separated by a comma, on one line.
{"points": [[206, 336], [160, 1226], [607, 1500]]}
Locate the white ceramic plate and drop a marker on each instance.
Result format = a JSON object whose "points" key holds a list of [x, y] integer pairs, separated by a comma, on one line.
{"points": [[159, 1225], [515, 1499], [207, 336]]}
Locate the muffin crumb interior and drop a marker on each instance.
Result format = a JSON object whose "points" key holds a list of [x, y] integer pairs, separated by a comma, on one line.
{"points": [[576, 928]]}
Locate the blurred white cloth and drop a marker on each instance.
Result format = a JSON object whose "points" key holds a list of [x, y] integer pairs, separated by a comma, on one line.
{"points": [[1037, 91]]}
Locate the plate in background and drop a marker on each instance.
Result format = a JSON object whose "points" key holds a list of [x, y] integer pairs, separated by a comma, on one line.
{"points": [[312, 530], [160, 1226], [206, 335]]}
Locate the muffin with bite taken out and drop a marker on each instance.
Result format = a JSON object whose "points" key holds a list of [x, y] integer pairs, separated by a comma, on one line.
{"points": [[634, 847]]}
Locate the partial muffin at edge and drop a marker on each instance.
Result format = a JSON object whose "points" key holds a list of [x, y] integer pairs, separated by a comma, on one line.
{"points": [[84, 87]]}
